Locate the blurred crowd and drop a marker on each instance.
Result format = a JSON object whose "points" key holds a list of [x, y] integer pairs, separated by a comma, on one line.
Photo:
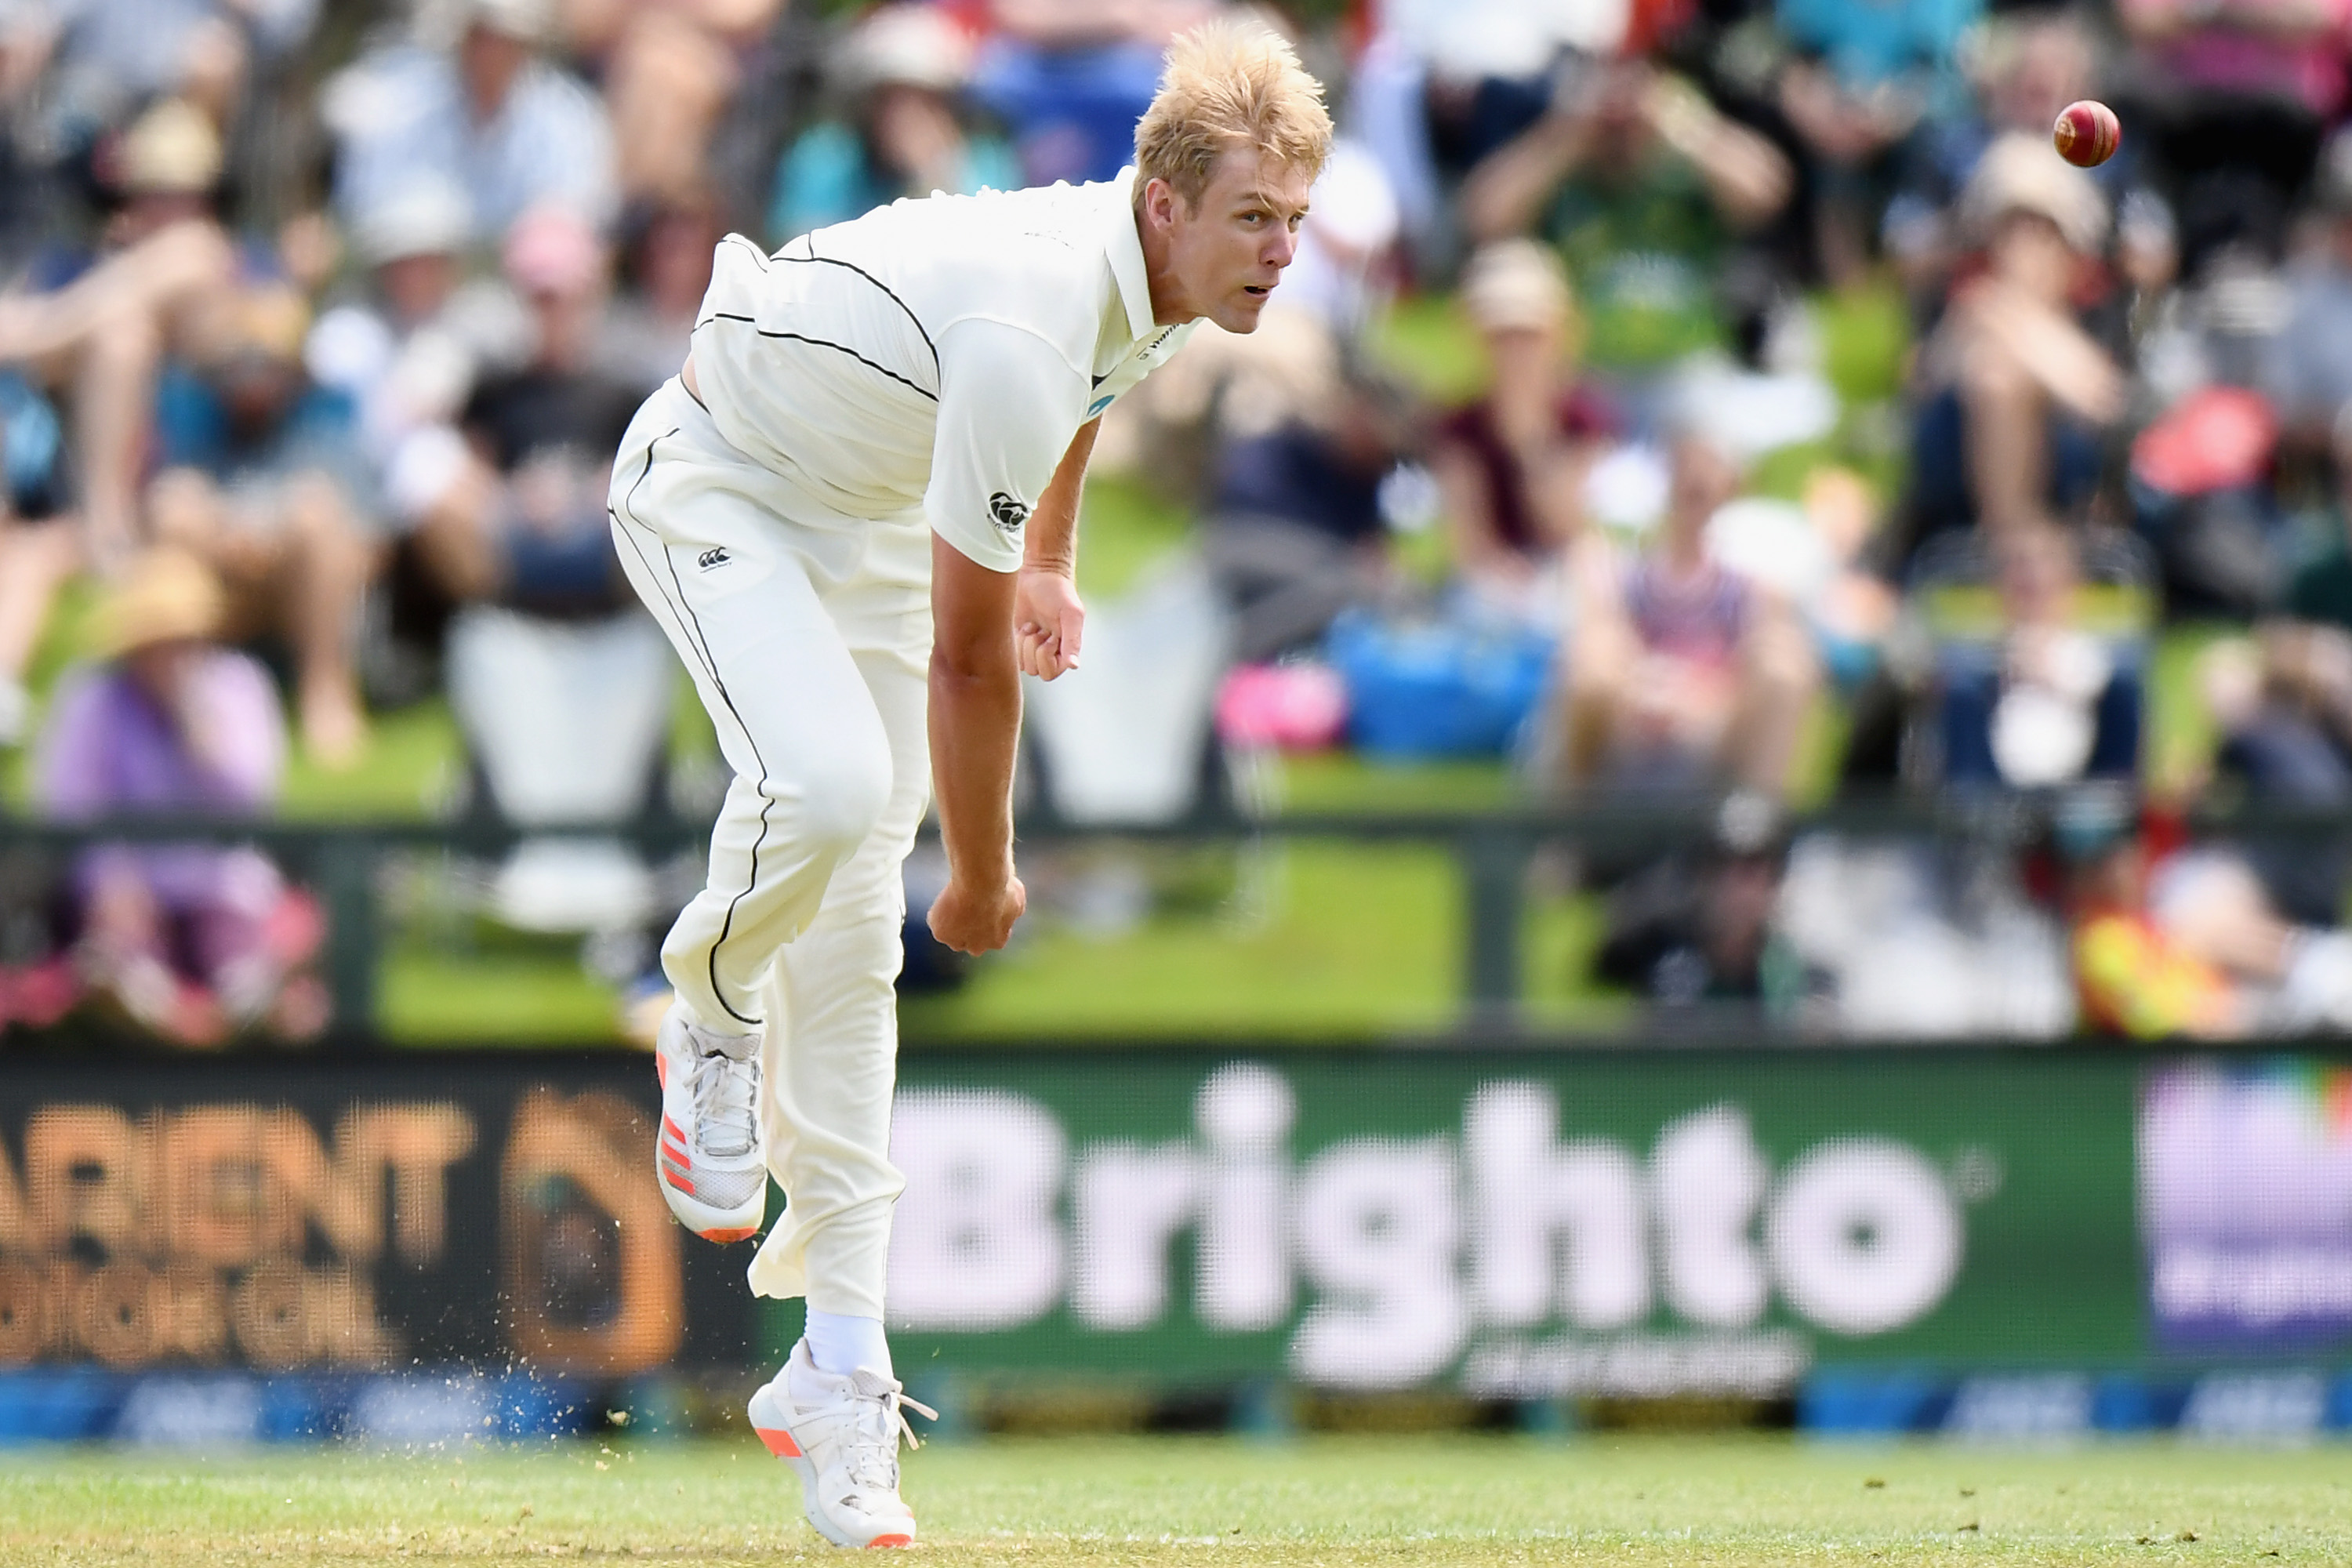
{"points": [[1721, 399]]}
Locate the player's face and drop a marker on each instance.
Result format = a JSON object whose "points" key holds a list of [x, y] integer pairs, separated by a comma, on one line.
{"points": [[1227, 253]]}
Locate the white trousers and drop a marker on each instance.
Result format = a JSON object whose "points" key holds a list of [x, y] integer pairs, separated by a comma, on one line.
{"points": [[809, 636]]}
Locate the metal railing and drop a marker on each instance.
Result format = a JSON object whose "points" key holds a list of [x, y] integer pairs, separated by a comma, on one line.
{"points": [[1492, 849]]}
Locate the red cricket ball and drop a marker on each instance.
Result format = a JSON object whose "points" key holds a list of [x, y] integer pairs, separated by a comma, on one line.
{"points": [[2087, 133]]}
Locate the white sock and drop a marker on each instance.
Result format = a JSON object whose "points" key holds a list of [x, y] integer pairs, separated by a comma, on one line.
{"points": [[840, 1344]]}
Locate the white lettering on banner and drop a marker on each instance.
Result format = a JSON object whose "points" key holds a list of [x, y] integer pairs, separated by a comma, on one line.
{"points": [[1407, 1247], [1128, 1204], [1864, 1235], [976, 1242], [1244, 1112], [1527, 1193], [1706, 1179], [1379, 1232]]}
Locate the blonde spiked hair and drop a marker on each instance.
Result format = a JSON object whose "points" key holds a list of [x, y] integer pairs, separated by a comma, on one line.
{"points": [[1229, 84]]}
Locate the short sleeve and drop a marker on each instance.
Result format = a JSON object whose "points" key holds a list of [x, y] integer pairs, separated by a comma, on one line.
{"points": [[1009, 404]]}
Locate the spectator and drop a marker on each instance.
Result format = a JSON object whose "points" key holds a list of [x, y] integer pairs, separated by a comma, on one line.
{"points": [[2051, 705], [668, 262], [1444, 83], [39, 549], [1294, 529], [2017, 391], [2234, 97], [2307, 369], [1646, 189], [2281, 708], [260, 475], [1695, 931], [1866, 76], [561, 684], [900, 74], [519, 517], [407, 354], [1070, 78], [668, 72], [1511, 465], [166, 263], [2282, 704], [111, 55], [489, 114], [2031, 64], [191, 942], [2187, 942], [1680, 671]]}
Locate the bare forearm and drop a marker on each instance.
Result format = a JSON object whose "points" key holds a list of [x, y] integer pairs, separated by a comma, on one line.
{"points": [[153, 277], [1747, 177], [975, 725], [1053, 540], [1507, 191]]}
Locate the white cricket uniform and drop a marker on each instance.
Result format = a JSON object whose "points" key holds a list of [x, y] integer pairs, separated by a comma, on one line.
{"points": [[920, 369]]}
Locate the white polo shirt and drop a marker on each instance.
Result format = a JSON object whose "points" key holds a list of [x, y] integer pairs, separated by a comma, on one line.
{"points": [[932, 360]]}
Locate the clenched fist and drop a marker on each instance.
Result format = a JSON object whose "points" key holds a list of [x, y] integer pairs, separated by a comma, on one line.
{"points": [[978, 920]]}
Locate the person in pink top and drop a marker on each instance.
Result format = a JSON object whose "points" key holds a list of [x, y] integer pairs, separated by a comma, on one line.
{"points": [[191, 941]]}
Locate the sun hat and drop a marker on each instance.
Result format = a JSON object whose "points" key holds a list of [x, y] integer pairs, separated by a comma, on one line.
{"points": [[172, 149], [2024, 173], [166, 595], [1516, 284]]}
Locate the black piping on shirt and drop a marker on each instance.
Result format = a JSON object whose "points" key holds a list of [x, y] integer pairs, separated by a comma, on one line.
{"points": [[821, 343]]}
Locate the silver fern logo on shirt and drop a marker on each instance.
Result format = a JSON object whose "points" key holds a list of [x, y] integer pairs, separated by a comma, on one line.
{"points": [[1007, 513]]}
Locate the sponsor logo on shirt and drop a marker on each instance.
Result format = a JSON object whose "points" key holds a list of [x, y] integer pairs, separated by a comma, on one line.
{"points": [[1007, 513], [712, 558]]}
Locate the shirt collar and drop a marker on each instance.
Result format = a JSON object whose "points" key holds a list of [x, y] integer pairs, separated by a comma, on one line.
{"points": [[1125, 246]]}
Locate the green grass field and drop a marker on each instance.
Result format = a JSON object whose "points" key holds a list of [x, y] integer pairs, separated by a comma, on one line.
{"points": [[1327, 1500]]}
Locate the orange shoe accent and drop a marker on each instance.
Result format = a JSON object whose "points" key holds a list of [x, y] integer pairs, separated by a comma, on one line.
{"points": [[891, 1540], [661, 1073], [779, 1441], [745, 1234]]}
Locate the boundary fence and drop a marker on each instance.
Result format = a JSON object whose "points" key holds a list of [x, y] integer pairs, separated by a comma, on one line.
{"points": [[1492, 851]]}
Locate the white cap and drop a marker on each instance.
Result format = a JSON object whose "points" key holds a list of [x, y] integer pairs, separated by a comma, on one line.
{"points": [[913, 44], [425, 215]]}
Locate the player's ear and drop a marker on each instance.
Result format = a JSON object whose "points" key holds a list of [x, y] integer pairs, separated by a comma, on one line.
{"points": [[1160, 204]]}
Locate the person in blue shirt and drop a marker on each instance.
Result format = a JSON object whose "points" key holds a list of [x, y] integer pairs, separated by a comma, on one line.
{"points": [[260, 475], [1870, 75], [901, 72]]}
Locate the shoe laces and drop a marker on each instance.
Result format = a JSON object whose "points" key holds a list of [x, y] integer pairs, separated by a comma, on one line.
{"points": [[878, 1426], [726, 1089]]}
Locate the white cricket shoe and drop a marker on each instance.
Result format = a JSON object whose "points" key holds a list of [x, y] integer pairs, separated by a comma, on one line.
{"points": [[841, 1434], [710, 1159]]}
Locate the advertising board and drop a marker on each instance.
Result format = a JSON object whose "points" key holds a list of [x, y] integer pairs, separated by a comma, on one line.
{"points": [[1514, 1225], [285, 1214], [1508, 1224]]}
